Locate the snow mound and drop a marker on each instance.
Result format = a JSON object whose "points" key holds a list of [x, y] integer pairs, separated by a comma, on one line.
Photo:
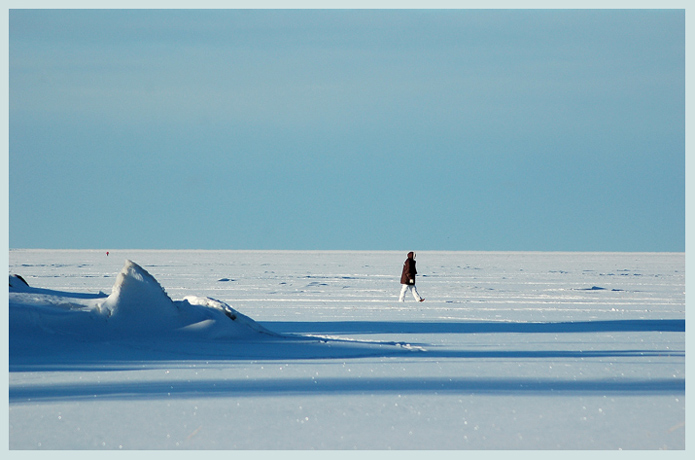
{"points": [[139, 301], [137, 307]]}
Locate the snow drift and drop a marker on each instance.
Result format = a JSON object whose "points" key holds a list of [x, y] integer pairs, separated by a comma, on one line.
{"points": [[137, 307]]}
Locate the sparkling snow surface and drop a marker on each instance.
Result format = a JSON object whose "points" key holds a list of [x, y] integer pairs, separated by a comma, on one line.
{"points": [[509, 351]]}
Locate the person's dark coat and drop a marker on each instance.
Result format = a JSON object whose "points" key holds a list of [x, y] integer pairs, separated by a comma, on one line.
{"points": [[409, 272]]}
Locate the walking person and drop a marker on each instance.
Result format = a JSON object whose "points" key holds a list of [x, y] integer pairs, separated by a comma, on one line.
{"points": [[408, 278]]}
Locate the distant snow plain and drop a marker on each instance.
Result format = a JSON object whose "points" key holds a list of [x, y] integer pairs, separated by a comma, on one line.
{"points": [[512, 350]]}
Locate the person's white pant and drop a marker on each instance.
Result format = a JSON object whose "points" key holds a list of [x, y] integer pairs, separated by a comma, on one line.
{"points": [[408, 287]]}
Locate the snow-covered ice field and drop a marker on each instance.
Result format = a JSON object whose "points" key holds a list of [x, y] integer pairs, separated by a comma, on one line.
{"points": [[311, 350]]}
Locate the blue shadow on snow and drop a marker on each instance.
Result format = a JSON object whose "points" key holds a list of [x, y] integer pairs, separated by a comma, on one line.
{"points": [[334, 386], [471, 327]]}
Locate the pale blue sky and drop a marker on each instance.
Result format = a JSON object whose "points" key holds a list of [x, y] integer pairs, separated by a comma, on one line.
{"points": [[448, 129]]}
